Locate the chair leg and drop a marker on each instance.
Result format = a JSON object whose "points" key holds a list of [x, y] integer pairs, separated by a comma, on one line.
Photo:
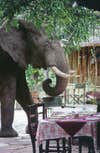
{"points": [[93, 150], [33, 146], [64, 145], [47, 146], [91, 147], [40, 148], [80, 148], [58, 146]]}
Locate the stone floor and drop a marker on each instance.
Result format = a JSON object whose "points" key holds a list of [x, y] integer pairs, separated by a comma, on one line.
{"points": [[16, 145], [22, 143]]}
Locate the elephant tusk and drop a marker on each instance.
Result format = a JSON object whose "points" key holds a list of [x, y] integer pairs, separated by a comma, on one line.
{"points": [[60, 73], [72, 71]]}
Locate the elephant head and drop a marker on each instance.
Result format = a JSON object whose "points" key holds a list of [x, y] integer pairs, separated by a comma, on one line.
{"points": [[27, 45], [46, 53]]}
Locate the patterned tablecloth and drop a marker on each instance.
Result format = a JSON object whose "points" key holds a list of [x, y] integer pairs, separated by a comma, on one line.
{"points": [[49, 129]]}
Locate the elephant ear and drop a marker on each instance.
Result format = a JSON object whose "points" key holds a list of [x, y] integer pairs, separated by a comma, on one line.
{"points": [[13, 43], [33, 36]]}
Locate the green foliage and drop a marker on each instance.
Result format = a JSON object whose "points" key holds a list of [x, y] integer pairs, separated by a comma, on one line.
{"points": [[61, 21], [34, 77]]}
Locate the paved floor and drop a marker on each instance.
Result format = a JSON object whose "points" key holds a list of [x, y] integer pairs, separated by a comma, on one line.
{"points": [[22, 143]]}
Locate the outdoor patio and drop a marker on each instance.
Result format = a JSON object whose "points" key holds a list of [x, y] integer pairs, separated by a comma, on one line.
{"points": [[52, 49]]}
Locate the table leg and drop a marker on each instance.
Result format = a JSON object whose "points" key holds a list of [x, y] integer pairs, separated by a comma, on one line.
{"points": [[98, 126], [70, 145], [98, 135]]}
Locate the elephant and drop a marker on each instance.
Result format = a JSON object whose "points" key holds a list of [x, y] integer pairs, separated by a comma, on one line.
{"points": [[20, 46]]}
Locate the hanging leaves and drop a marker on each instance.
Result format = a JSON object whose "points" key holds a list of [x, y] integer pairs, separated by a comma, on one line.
{"points": [[61, 19]]}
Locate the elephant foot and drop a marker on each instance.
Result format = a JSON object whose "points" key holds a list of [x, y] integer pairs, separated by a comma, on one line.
{"points": [[8, 133]]}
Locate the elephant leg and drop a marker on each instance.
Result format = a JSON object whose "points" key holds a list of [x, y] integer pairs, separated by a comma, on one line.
{"points": [[23, 95], [7, 108]]}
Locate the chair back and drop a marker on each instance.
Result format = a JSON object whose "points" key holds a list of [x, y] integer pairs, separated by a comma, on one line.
{"points": [[51, 102], [34, 113], [79, 92]]}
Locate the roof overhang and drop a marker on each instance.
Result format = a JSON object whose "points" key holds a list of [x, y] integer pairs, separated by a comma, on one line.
{"points": [[91, 4]]}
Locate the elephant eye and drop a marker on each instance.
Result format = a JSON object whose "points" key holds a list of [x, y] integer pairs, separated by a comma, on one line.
{"points": [[47, 44]]}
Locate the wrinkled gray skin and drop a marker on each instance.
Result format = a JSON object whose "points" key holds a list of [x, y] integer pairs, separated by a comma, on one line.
{"points": [[18, 48]]}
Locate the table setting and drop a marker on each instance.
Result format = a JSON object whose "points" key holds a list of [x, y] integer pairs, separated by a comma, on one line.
{"points": [[62, 123], [59, 112]]}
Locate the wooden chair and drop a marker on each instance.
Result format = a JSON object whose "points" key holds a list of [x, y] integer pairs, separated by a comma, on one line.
{"points": [[51, 102], [79, 93], [33, 114], [85, 141]]}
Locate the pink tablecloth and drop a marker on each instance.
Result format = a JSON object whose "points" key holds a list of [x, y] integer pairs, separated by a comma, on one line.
{"points": [[49, 129]]}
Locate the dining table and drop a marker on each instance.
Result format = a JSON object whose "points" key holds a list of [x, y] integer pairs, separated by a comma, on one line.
{"points": [[68, 126]]}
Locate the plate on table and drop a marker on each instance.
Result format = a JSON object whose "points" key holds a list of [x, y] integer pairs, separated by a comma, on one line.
{"points": [[92, 118], [56, 116], [98, 115]]}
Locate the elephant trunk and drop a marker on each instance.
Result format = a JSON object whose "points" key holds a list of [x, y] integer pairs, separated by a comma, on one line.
{"points": [[61, 83]]}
